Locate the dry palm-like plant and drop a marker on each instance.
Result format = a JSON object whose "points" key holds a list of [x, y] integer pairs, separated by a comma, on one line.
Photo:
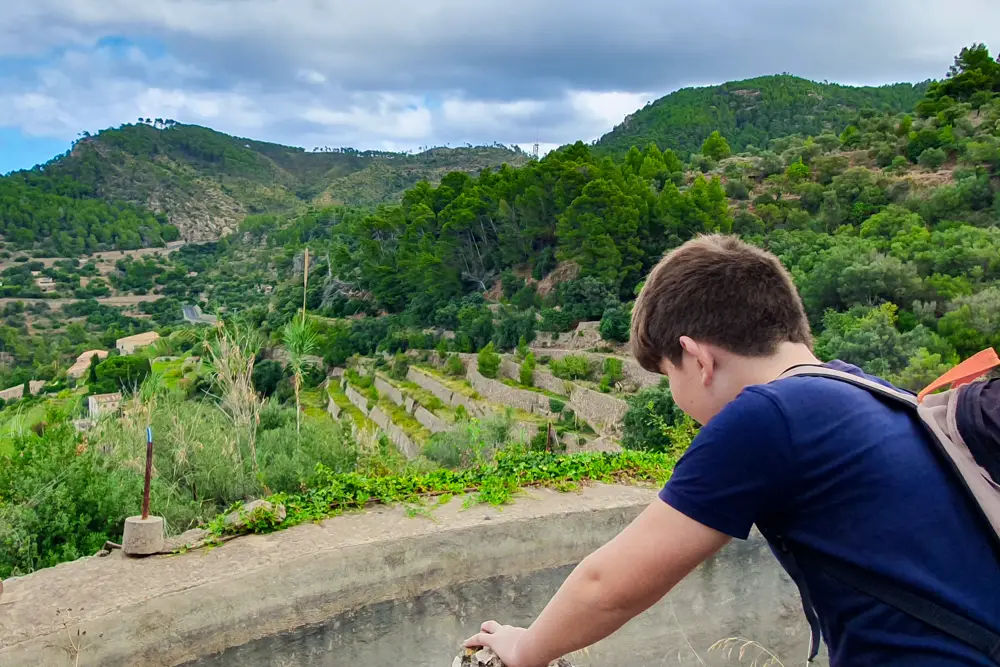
{"points": [[232, 353], [301, 340], [746, 648]]}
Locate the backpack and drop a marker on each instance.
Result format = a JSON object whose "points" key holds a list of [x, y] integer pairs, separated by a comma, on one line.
{"points": [[963, 423]]}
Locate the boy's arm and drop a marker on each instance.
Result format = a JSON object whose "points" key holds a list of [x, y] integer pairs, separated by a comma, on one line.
{"points": [[614, 584]]}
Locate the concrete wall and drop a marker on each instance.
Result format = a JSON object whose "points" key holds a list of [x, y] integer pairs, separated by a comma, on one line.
{"points": [[332, 408], [429, 420], [389, 391], [396, 435], [365, 588]]}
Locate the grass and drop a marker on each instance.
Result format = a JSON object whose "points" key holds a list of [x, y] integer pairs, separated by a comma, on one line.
{"points": [[495, 483]]}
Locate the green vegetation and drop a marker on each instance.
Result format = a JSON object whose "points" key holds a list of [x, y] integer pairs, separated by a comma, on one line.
{"points": [[888, 221], [494, 483], [753, 112]]}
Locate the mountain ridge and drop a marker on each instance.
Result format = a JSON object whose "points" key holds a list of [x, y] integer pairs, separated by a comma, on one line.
{"points": [[753, 111]]}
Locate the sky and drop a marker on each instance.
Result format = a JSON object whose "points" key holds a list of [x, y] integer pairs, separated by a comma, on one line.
{"points": [[406, 74]]}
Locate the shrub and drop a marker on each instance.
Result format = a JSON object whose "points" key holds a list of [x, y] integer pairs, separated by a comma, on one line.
{"points": [[488, 361], [454, 366], [442, 349], [932, 158], [123, 373], [470, 442], [527, 376], [400, 367], [650, 416], [556, 406], [572, 367], [616, 324]]}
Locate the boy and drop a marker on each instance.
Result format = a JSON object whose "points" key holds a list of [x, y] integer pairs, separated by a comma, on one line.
{"points": [[821, 463]]}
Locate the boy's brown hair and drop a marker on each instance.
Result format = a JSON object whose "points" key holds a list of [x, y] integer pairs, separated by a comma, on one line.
{"points": [[717, 289]]}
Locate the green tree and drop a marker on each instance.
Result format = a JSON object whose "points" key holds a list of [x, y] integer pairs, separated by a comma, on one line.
{"points": [[527, 375], [798, 172], [932, 159], [716, 147], [488, 361]]}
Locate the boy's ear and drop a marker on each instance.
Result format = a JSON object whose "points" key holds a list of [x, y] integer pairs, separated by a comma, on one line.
{"points": [[702, 355]]}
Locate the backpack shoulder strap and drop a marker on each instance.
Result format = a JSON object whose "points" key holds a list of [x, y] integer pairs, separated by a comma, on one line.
{"points": [[964, 629], [812, 370]]}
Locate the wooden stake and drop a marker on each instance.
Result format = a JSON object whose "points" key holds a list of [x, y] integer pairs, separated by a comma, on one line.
{"points": [[149, 472]]}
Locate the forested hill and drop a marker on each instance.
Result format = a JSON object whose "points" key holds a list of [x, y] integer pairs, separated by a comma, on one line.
{"points": [[752, 112], [205, 182]]}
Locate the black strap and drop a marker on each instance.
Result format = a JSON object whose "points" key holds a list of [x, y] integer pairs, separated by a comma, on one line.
{"points": [[975, 635]]}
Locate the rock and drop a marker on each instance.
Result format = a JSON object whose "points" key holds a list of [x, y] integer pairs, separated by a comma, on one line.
{"points": [[485, 657], [252, 511]]}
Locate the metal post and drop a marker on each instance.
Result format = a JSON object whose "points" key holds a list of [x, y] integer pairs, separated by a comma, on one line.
{"points": [[149, 472]]}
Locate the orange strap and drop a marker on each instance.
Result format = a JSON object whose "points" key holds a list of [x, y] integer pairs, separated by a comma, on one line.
{"points": [[972, 368]]}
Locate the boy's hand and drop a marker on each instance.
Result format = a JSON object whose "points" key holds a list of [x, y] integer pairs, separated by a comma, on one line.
{"points": [[503, 639]]}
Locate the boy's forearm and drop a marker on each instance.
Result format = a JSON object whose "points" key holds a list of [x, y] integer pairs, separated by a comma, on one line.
{"points": [[588, 607]]}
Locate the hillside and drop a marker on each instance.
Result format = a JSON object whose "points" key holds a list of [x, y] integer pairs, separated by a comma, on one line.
{"points": [[205, 182], [752, 112]]}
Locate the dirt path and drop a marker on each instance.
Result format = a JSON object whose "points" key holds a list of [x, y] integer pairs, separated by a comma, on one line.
{"points": [[55, 304], [105, 260]]}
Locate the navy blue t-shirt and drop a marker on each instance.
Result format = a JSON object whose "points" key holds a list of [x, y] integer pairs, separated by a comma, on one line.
{"points": [[832, 467]]}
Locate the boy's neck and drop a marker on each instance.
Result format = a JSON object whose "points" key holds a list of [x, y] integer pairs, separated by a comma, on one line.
{"points": [[761, 370]]}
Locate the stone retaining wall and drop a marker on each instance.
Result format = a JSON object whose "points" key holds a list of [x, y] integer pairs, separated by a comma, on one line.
{"points": [[395, 434], [600, 410], [449, 397], [544, 379], [359, 401], [633, 374], [502, 394], [429, 420], [389, 391], [332, 408], [585, 336]]}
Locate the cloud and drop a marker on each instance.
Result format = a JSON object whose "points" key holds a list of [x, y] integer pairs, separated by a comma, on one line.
{"points": [[401, 73]]}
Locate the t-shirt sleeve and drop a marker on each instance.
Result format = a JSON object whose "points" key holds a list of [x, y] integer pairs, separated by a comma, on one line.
{"points": [[738, 469]]}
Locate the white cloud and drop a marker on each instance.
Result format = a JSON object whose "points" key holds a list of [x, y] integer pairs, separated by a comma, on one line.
{"points": [[400, 74]]}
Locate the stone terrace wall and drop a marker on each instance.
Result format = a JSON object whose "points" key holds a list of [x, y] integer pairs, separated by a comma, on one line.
{"points": [[600, 410], [544, 379], [633, 373], [396, 435], [359, 401], [502, 394], [429, 420], [585, 336], [389, 391], [452, 398], [332, 408]]}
